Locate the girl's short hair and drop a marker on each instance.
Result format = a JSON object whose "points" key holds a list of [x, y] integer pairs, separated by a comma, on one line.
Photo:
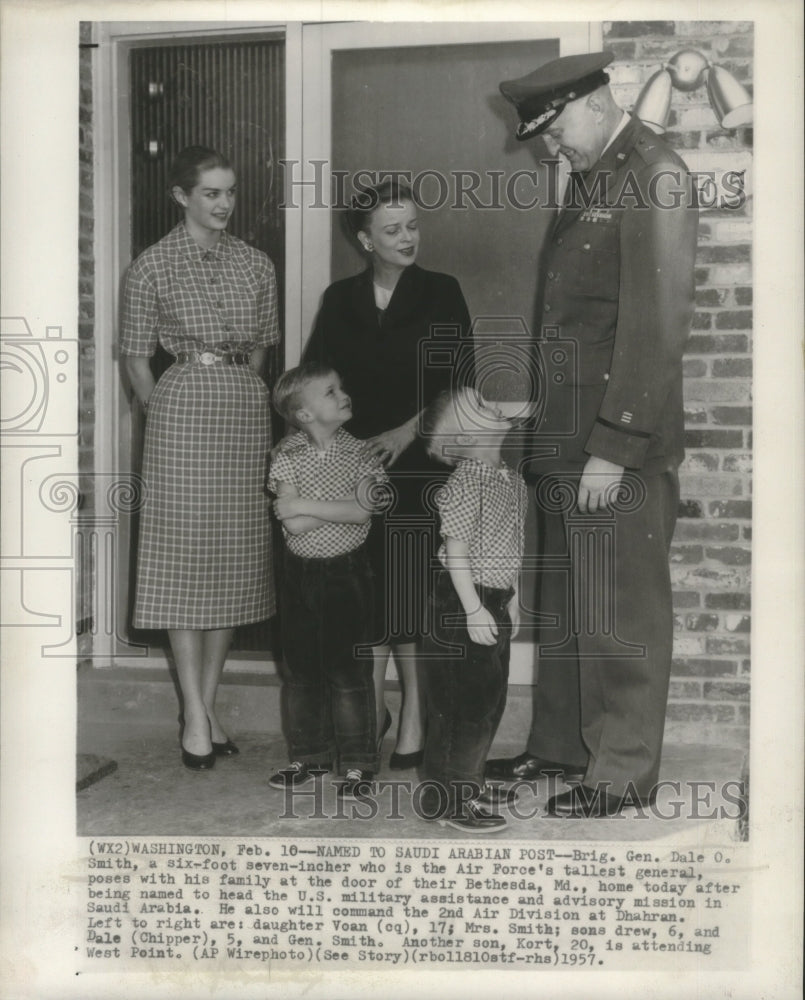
{"points": [[190, 163], [291, 383], [368, 199]]}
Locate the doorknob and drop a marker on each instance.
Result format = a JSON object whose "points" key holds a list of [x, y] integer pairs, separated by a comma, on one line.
{"points": [[153, 148]]}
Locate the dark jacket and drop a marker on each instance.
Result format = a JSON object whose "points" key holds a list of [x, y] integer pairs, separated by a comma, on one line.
{"points": [[387, 365], [616, 307], [394, 365]]}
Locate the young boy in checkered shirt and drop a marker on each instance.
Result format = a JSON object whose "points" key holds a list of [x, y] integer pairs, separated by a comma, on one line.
{"points": [[323, 485], [474, 608]]}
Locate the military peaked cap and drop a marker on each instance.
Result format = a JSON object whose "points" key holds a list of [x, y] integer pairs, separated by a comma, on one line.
{"points": [[541, 96]]}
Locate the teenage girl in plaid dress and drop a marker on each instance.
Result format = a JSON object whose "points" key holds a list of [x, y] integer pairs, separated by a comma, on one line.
{"points": [[204, 559]]}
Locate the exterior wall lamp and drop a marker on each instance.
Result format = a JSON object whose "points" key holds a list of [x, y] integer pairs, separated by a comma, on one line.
{"points": [[687, 71]]}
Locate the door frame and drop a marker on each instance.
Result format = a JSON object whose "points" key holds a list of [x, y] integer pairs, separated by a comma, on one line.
{"points": [[112, 200]]}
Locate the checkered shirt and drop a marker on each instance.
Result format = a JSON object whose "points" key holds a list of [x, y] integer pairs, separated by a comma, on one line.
{"points": [[330, 475], [191, 299], [485, 507]]}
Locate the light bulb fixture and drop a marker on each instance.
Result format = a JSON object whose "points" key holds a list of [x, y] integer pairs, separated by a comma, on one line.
{"points": [[730, 101], [654, 103], [687, 71]]}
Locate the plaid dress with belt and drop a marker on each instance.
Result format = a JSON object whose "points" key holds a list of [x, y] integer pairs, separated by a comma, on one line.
{"points": [[204, 556]]}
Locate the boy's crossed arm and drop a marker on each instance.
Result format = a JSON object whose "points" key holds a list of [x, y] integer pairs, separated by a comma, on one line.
{"points": [[300, 514], [481, 625]]}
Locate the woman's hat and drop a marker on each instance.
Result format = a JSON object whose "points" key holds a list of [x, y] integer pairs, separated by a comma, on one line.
{"points": [[541, 96]]}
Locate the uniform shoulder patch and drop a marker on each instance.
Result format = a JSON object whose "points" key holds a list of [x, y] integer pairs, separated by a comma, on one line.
{"points": [[652, 150]]}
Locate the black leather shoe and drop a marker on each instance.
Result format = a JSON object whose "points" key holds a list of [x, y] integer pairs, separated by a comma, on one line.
{"points": [[475, 817], [581, 802], [525, 767], [198, 762], [227, 749], [405, 761]]}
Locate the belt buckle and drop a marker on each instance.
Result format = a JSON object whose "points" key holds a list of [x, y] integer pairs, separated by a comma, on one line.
{"points": [[207, 358]]}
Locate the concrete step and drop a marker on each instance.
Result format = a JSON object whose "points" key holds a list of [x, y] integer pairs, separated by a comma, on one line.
{"points": [[248, 701]]}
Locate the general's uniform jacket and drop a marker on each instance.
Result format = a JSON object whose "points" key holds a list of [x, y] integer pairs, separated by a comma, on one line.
{"points": [[616, 305]]}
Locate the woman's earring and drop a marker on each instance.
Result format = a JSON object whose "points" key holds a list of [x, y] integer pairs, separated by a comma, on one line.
{"points": [[368, 247]]}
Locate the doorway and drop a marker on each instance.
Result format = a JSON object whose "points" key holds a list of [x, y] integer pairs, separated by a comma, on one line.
{"points": [[229, 96], [224, 89], [157, 79]]}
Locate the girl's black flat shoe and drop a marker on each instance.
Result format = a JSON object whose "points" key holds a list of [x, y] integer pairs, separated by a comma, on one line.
{"points": [[198, 762], [227, 749], [405, 761]]}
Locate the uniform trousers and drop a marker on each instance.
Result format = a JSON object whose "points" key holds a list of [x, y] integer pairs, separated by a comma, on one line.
{"points": [[604, 667]]}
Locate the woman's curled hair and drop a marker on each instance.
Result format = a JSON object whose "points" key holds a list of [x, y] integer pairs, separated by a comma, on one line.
{"points": [[367, 200]]}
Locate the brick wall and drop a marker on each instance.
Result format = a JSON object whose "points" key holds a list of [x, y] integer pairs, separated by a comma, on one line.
{"points": [[709, 698], [86, 317]]}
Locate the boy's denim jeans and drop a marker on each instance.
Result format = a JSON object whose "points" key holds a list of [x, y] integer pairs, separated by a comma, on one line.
{"points": [[466, 694], [327, 693]]}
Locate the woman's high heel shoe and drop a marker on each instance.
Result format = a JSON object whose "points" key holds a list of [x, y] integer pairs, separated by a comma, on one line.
{"points": [[383, 730], [198, 762], [195, 761], [405, 761], [227, 749]]}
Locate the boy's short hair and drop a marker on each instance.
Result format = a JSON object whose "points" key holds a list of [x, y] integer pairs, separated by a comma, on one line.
{"points": [[290, 384], [432, 421]]}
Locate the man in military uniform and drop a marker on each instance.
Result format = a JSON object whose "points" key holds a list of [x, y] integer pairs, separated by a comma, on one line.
{"points": [[618, 294]]}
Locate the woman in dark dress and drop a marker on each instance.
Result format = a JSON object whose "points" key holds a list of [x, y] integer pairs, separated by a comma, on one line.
{"points": [[397, 334], [204, 559]]}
